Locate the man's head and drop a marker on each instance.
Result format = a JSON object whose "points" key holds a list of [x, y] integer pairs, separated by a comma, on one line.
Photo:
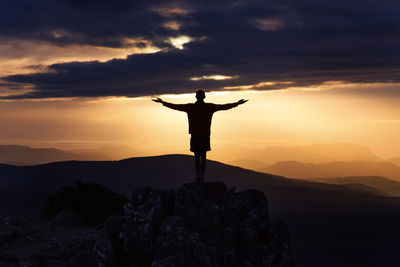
{"points": [[200, 95]]}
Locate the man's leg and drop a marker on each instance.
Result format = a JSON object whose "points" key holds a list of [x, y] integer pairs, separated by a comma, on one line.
{"points": [[197, 164], [203, 161]]}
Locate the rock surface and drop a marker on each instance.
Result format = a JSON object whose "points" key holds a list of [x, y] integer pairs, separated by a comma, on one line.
{"points": [[198, 224], [68, 218], [46, 243], [202, 224]]}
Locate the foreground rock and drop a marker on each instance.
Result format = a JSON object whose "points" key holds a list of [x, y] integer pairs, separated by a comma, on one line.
{"points": [[202, 224], [199, 224]]}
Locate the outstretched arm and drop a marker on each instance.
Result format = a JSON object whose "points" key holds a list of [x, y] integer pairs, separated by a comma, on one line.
{"points": [[180, 107], [231, 105]]}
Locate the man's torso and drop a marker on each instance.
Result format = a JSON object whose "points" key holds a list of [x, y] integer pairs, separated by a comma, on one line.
{"points": [[200, 116]]}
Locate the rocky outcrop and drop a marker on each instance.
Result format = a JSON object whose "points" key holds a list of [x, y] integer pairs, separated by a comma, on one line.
{"points": [[202, 224], [198, 224]]}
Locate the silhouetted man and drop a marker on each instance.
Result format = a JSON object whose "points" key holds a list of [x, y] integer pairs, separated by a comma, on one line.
{"points": [[200, 115]]}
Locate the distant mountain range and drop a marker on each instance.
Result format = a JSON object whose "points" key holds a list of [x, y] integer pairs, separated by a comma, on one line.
{"points": [[25, 155], [295, 169], [395, 161], [251, 164], [255, 159], [321, 217], [317, 153], [113, 151]]}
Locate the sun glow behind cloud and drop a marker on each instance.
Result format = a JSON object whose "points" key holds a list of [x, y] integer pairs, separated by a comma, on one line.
{"points": [[260, 85], [180, 41], [23, 56], [212, 77]]}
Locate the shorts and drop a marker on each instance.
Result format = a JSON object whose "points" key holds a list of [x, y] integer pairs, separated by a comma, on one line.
{"points": [[200, 143]]}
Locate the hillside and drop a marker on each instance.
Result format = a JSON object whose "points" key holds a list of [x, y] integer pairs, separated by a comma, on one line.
{"points": [[158, 172], [321, 217]]}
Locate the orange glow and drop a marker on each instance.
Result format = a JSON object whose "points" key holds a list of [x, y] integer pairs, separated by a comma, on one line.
{"points": [[171, 11], [172, 25], [259, 85], [279, 117], [212, 77]]}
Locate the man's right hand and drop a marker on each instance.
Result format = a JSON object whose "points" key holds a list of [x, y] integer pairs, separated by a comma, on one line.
{"points": [[158, 100], [242, 101]]}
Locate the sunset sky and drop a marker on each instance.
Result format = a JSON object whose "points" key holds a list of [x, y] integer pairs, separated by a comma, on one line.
{"points": [[77, 74]]}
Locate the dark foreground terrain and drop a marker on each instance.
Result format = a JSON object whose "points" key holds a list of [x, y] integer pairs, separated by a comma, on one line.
{"points": [[330, 225], [198, 224]]}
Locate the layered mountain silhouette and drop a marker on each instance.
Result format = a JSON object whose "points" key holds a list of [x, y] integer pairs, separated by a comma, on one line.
{"points": [[160, 171], [330, 224], [295, 169], [316, 153], [255, 159], [251, 164], [113, 151], [25, 155], [395, 161]]}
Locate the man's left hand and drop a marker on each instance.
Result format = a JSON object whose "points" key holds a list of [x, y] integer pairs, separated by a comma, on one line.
{"points": [[158, 100]]}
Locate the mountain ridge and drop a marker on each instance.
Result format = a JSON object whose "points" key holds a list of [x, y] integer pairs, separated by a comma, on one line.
{"points": [[295, 169], [26, 155], [316, 153]]}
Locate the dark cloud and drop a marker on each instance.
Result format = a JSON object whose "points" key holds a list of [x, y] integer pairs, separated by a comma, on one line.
{"points": [[307, 42], [63, 22]]}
